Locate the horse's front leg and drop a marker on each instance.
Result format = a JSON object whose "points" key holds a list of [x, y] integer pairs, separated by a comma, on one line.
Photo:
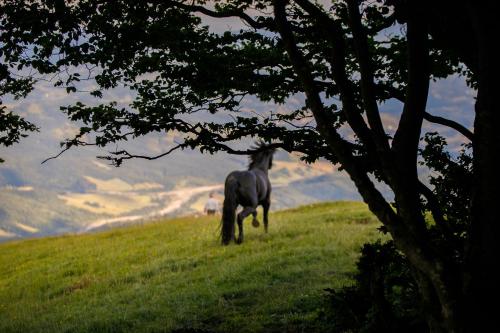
{"points": [[241, 216], [255, 222]]}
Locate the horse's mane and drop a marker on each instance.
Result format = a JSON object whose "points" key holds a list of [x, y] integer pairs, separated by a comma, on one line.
{"points": [[263, 150]]}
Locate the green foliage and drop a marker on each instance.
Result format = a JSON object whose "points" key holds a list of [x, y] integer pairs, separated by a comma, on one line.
{"points": [[12, 127], [174, 276], [384, 297], [452, 179], [175, 66]]}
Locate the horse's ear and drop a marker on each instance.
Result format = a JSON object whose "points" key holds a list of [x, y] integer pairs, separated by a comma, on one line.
{"points": [[257, 144]]}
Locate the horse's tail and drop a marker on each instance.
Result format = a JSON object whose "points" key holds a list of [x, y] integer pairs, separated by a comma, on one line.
{"points": [[229, 210]]}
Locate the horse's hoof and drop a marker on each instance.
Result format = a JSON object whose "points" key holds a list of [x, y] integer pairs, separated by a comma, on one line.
{"points": [[239, 241], [255, 223]]}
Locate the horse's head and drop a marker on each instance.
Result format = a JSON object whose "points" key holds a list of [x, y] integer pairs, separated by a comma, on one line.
{"points": [[262, 156]]}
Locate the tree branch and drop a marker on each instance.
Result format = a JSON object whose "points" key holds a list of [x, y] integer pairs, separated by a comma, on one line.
{"points": [[436, 211], [232, 151], [397, 94], [407, 136], [117, 161], [417, 250], [367, 78], [69, 144], [228, 13], [55, 156], [450, 123], [388, 22], [324, 125], [334, 34]]}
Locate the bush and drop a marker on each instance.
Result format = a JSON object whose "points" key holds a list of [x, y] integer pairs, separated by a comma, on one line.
{"points": [[384, 297]]}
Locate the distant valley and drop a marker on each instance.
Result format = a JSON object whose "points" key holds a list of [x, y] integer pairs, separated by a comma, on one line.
{"points": [[95, 196]]}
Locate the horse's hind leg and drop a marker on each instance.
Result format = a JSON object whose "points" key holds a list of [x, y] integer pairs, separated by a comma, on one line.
{"points": [[241, 216], [266, 206], [239, 240]]}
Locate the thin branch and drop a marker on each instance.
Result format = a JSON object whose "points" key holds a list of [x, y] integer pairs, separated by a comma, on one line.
{"points": [[56, 156], [129, 156], [388, 22], [450, 123], [436, 211], [232, 151], [68, 146], [307, 126], [228, 13], [399, 95]]}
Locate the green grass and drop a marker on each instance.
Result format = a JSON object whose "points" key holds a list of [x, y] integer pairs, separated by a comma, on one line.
{"points": [[173, 275]]}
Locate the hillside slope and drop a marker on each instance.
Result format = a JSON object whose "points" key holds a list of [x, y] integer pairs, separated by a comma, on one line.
{"points": [[174, 276]]}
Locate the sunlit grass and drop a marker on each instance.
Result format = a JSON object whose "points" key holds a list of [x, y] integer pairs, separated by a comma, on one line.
{"points": [[174, 275]]}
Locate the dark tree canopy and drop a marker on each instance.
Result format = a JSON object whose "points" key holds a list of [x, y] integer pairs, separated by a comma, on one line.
{"points": [[345, 58]]}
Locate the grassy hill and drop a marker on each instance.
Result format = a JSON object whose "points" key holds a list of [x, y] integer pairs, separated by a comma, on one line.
{"points": [[173, 276]]}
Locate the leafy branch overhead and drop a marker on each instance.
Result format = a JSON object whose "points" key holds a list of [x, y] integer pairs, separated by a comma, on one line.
{"points": [[174, 65], [341, 61]]}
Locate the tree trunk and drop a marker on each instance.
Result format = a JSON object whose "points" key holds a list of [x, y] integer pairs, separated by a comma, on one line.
{"points": [[484, 284], [430, 303]]}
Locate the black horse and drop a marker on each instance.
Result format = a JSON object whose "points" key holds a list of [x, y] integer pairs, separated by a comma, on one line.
{"points": [[249, 189]]}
